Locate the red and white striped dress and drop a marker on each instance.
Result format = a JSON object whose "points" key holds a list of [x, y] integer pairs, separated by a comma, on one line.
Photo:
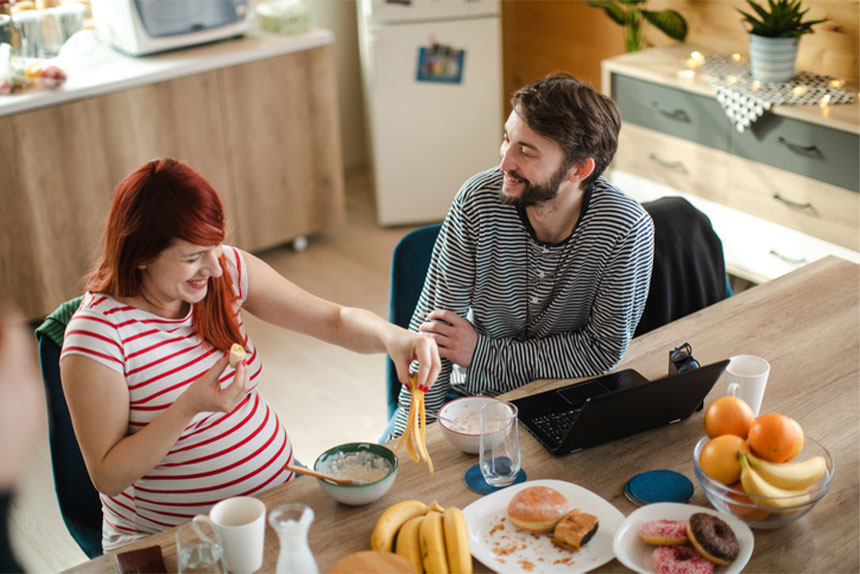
{"points": [[219, 454]]}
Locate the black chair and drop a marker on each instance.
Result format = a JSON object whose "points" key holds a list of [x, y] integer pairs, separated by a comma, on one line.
{"points": [[78, 499], [689, 268], [409, 265]]}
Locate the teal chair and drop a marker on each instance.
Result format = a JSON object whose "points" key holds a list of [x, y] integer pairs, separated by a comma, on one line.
{"points": [[78, 499], [409, 265]]}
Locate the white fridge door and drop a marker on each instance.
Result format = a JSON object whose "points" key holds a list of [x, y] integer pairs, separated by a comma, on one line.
{"points": [[382, 11], [427, 137]]}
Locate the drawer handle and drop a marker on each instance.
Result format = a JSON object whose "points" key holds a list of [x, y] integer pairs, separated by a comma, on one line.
{"points": [[677, 165], [794, 204], [672, 114], [788, 259], [799, 148]]}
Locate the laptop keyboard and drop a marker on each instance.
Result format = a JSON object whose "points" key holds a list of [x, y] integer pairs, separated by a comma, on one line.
{"points": [[556, 425]]}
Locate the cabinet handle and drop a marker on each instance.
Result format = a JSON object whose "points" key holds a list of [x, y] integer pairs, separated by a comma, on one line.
{"points": [[677, 165], [788, 259], [672, 114], [800, 148], [794, 204]]}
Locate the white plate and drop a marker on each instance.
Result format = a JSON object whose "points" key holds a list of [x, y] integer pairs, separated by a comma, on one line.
{"points": [[502, 547], [635, 554]]}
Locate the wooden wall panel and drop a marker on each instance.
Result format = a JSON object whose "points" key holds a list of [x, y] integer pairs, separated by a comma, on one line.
{"points": [[543, 36]]}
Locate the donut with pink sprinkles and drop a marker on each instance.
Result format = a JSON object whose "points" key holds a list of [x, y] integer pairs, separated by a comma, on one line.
{"points": [[664, 532], [679, 560]]}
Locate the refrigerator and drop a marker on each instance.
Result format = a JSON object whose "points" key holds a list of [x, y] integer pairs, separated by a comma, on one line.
{"points": [[432, 75]]}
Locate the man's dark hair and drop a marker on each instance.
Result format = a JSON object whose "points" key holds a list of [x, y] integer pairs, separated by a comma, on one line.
{"points": [[584, 122]]}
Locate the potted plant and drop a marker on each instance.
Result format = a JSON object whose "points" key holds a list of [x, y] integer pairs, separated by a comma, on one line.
{"points": [[775, 32], [632, 15]]}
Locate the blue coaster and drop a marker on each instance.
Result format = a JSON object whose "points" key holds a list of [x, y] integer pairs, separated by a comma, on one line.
{"points": [[659, 486], [475, 480]]}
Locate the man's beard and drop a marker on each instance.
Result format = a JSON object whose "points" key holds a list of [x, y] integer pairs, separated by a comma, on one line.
{"points": [[534, 194]]}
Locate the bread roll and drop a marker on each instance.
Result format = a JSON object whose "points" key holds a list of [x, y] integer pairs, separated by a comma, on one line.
{"points": [[537, 508]]}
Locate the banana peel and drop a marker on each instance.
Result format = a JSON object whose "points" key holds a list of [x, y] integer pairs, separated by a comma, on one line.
{"points": [[414, 436]]}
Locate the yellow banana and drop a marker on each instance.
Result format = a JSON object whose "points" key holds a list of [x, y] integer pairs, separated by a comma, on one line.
{"points": [[408, 544], [457, 541], [790, 475], [390, 521], [437, 507], [761, 491], [432, 539]]}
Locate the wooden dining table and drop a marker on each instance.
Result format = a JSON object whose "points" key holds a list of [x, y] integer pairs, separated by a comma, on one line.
{"points": [[806, 324]]}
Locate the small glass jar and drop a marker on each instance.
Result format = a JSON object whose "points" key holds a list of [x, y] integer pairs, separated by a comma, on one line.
{"points": [[291, 522]]}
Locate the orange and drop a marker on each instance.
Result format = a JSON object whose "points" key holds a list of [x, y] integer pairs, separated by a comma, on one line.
{"points": [[745, 512], [719, 458], [728, 415], [775, 437]]}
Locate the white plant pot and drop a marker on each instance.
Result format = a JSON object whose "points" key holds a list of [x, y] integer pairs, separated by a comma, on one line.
{"points": [[772, 59]]}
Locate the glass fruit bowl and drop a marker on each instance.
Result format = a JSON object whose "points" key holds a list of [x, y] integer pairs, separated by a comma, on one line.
{"points": [[777, 512]]}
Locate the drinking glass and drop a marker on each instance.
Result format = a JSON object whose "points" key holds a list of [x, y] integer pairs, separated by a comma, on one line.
{"points": [[499, 457], [198, 549]]}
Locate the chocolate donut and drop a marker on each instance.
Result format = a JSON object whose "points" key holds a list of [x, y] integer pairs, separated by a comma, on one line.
{"points": [[713, 538]]}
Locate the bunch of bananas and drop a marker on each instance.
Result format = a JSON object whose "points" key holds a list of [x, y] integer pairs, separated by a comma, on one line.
{"points": [[434, 539], [779, 484], [416, 428]]}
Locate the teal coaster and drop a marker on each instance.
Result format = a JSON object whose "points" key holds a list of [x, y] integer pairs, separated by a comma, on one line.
{"points": [[475, 480], [658, 486]]}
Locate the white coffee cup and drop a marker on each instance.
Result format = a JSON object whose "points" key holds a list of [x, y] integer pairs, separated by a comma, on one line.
{"points": [[241, 524], [746, 378]]}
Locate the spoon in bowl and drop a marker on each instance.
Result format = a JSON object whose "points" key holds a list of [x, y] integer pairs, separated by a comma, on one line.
{"points": [[309, 472]]}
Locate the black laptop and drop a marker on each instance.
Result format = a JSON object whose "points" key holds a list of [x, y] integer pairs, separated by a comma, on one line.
{"points": [[612, 406]]}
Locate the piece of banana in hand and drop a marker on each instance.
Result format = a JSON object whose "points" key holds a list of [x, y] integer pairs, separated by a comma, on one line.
{"points": [[237, 354]]}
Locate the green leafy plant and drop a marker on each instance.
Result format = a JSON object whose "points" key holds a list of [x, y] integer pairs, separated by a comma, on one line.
{"points": [[632, 15], [780, 19]]}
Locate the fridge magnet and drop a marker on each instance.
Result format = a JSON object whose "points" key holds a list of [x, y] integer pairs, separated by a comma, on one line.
{"points": [[440, 63]]}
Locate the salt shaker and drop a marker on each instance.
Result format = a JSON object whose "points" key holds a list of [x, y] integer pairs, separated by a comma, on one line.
{"points": [[292, 522]]}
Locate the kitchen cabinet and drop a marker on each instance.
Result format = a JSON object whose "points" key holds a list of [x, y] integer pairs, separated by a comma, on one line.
{"points": [[256, 116], [783, 193]]}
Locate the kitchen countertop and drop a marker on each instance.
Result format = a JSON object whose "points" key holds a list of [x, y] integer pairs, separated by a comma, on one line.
{"points": [[93, 68]]}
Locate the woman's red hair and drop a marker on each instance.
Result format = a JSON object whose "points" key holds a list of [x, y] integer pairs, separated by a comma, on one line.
{"points": [[160, 202]]}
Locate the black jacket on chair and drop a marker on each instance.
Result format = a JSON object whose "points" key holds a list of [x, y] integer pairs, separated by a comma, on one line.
{"points": [[689, 268]]}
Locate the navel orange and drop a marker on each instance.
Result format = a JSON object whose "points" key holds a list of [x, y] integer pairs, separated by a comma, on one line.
{"points": [[719, 458], [728, 415], [775, 437]]}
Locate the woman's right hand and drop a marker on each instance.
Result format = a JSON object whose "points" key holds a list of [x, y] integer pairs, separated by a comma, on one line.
{"points": [[206, 395]]}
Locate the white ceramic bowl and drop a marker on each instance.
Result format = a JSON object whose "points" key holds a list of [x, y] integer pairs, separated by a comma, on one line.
{"points": [[762, 516], [358, 494], [460, 420]]}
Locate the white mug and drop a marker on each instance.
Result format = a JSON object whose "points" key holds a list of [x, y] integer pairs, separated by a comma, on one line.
{"points": [[746, 378], [241, 524]]}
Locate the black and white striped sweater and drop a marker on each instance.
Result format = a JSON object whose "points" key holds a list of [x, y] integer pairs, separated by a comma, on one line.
{"points": [[541, 310]]}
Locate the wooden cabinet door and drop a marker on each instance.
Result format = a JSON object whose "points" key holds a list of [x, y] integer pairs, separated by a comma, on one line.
{"points": [[64, 162], [283, 146]]}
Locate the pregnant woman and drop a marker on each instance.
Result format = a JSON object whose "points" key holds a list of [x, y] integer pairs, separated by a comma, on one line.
{"points": [[167, 429]]}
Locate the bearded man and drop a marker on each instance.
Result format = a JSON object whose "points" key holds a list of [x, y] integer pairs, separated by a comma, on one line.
{"points": [[542, 267]]}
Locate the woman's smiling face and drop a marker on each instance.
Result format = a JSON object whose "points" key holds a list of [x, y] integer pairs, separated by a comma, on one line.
{"points": [[180, 274]]}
